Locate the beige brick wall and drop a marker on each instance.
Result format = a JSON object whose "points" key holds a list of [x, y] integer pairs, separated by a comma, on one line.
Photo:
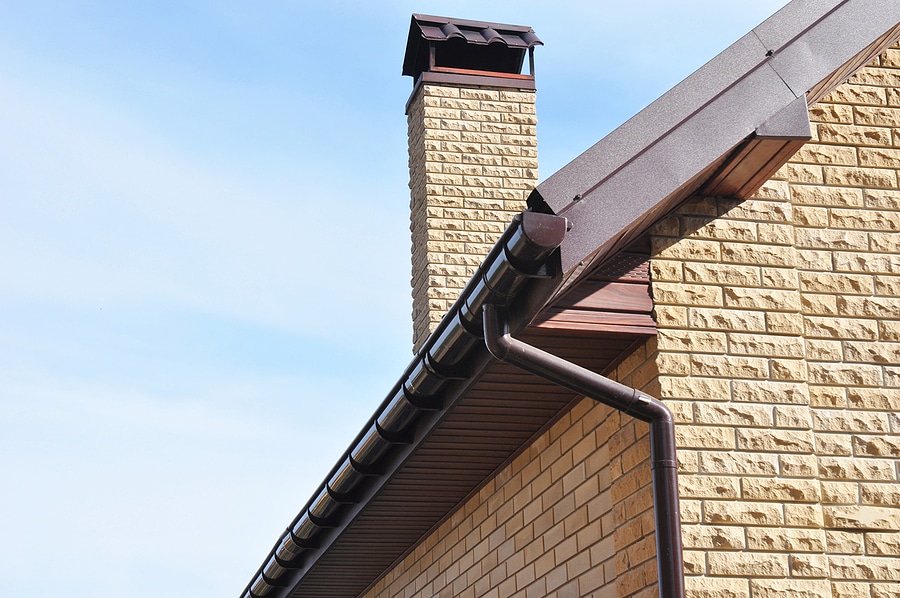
{"points": [[779, 321], [570, 516], [473, 162]]}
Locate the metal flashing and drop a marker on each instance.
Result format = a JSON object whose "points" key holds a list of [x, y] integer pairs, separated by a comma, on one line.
{"points": [[656, 158]]}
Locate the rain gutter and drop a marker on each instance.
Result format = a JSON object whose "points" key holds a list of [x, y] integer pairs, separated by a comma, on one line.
{"points": [[454, 353], [663, 462]]}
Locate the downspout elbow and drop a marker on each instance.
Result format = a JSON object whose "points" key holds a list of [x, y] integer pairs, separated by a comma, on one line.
{"points": [[497, 338], [663, 462]]}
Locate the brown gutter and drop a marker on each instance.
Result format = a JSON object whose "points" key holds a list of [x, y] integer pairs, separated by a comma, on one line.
{"points": [[414, 406], [669, 553]]}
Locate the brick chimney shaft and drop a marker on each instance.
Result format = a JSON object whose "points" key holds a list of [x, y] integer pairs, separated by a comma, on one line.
{"points": [[472, 164]]}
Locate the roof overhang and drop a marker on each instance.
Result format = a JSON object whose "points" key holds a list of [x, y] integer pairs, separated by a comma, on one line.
{"points": [[723, 131]]}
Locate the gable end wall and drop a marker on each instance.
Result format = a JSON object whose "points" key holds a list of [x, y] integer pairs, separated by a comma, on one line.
{"points": [[779, 353], [779, 321]]}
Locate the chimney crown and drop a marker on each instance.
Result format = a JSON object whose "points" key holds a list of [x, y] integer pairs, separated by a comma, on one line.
{"points": [[463, 47]]}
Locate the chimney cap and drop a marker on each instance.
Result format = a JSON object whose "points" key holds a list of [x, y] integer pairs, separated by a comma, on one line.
{"points": [[467, 47]]}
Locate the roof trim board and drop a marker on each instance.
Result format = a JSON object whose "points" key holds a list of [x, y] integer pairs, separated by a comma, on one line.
{"points": [[654, 158]]}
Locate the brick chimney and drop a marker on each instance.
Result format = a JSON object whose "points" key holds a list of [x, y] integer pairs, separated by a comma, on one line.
{"points": [[472, 150]]}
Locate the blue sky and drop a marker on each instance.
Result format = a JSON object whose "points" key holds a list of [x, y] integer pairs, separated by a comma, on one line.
{"points": [[204, 256]]}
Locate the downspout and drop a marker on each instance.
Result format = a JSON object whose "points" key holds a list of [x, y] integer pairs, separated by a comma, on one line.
{"points": [[670, 560]]}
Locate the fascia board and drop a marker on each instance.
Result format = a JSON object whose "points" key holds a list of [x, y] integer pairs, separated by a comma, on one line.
{"points": [[830, 43], [650, 177], [653, 122], [695, 125]]}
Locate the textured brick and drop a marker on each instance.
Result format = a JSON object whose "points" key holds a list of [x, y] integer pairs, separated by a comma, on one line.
{"points": [[873, 263], [793, 417], [812, 217], [839, 492], [853, 135], [718, 487], [765, 489], [687, 294], [803, 515], [808, 565], [720, 229], [764, 255], [716, 587], [880, 199], [731, 414], [733, 275], [877, 116], [769, 299], [726, 319], [845, 284], [707, 437], [865, 220], [883, 544], [663, 248], [749, 464], [845, 374], [862, 518], [828, 396], [838, 445], [785, 540], [850, 468], [842, 328], [874, 398], [716, 537], [814, 195], [880, 494], [834, 420], [746, 564], [832, 239], [864, 568], [789, 588], [813, 153], [869, 307], [728, 366], [780, 278], [803, 173], [703, 389], [743, 513], [693, 341], [844, 542], [758, 210], [784, 323], [856, 94], [775, 441], [843, 589]]}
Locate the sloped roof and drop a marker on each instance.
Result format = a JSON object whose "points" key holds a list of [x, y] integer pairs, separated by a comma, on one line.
{"points": [[740, 114], [723, 130]]}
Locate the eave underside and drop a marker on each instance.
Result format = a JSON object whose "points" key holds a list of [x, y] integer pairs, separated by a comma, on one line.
{"points": [[488, 426]]}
